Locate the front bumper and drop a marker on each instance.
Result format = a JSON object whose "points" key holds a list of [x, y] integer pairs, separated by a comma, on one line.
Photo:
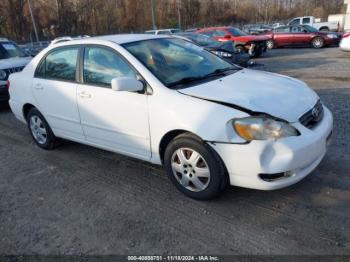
{"points": [[298, 156]]}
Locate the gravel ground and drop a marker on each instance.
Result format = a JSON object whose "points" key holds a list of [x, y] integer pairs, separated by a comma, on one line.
{"points": [[81, 200]]}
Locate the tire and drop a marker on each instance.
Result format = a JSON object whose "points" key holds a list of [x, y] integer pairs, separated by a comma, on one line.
{"points": [[40, 130], [270, 44], [324, 29], [195, 168], [318, 42]]}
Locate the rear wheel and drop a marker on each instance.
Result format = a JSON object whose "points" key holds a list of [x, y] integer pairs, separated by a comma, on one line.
{"points": [[40, 130], [318, 42], [194, 168]]}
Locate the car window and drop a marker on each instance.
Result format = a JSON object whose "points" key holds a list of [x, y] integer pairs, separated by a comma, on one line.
{"points": [[10, 50], [60, 64], [236, 32], [219, 33], [295, 22], [101, 65], [285, 29], [306, 20], [208, 33], [296, 29]]}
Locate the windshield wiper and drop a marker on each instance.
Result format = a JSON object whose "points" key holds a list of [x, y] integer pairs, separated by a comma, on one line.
{"points": [[217, 72]]}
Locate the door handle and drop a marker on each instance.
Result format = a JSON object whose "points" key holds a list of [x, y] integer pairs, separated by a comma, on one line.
{"points": [[39, 87], [84, 95]]}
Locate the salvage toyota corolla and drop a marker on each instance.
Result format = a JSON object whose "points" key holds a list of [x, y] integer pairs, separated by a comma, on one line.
{"points": [[172, 103]]}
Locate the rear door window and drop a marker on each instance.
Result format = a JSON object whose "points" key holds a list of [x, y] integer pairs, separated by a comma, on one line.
{"points": [[59, 64]]}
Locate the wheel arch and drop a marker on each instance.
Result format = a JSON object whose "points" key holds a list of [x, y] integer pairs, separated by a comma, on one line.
{"points": [[26, 108], [324, 28], [171, 135]]}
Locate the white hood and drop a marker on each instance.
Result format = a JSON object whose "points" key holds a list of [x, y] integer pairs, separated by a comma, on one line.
{"points": [[280, 96], [14, 62]]}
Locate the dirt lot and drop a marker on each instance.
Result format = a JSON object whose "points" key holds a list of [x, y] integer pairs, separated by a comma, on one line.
{"points": [[81, 200]]}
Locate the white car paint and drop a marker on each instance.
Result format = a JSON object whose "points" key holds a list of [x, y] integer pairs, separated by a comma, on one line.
{"points": [[345, 42], [134, 124]]}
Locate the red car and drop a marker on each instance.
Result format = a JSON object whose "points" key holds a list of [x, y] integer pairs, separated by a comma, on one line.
{"points": [[254, 44], [301, 35]]}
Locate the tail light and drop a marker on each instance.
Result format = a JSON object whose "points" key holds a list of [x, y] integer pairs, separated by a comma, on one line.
{"points": [[8, 85]]}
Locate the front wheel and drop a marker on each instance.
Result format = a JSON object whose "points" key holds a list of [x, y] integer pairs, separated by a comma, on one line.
{"points": [[318, 42], [270, 44], [194, 168]]}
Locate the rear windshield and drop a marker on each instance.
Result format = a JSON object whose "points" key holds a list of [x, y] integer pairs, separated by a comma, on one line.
{"points": [[9, 50]]}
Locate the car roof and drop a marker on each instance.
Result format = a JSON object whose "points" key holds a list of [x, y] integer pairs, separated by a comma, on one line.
{"points": [[118, 39]]}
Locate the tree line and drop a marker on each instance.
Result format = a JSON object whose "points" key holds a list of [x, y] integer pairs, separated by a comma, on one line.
{"points": [[55, 18]]}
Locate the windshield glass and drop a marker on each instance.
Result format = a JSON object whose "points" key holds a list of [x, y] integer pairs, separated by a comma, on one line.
{"points": [[176, 62], [310, 29], [235, 31], [9, 50], [202, 40]]}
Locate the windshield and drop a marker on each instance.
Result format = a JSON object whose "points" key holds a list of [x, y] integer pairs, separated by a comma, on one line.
{"points": [[178, 63], [235, 31], [202, 40], [310, 29], [9, 50]]}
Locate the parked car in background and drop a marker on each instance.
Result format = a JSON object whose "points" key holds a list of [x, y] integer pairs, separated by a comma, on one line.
{"points": [[345, 42], [256, 29], [225, 50], [172, 103], [253, 44], [34, 48], [163, 31], [301, 35], [12, 59], [310, 21]]}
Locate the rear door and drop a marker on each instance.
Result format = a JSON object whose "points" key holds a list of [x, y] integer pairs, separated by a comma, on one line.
{"points": [[55, 88], [282, 36]]}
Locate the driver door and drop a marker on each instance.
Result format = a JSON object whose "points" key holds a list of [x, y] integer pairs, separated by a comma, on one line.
{"points": [[114, 120]]}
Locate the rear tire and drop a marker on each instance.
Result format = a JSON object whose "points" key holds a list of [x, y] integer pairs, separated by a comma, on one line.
{"points": [[318, 42], [195, 168], [40, 130]]}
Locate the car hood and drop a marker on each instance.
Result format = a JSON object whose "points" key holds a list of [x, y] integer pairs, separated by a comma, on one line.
{"points": [[14, 62], [261, 92]]}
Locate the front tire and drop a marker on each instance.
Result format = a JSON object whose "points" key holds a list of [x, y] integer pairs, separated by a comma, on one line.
{"points": [[40, 130], [195, 168], [318, 42], [270, 44]]}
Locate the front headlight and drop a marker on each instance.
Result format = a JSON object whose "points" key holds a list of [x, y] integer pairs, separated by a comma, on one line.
{"points": [[263, 128], [3, 75], [222, 54]]}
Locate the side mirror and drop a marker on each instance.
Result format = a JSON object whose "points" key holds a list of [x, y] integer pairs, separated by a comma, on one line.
{"points": [[126, 84], [227, 36], [305, 31]]}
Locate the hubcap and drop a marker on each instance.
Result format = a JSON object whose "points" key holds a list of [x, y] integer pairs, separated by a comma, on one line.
{"points": [[38, 130], [190, 169], [318, 42], [269, 44]]}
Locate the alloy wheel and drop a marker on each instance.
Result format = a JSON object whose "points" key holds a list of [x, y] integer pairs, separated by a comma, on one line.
{"points": [[38, 129], [190, 169]]}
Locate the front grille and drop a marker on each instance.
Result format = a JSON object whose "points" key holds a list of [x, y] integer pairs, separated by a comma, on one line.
{"points": [[312, 117], [9, 71]]}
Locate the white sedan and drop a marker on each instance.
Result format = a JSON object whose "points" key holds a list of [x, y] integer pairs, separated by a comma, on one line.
{"points": [[172, 103], [345, 42]]}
